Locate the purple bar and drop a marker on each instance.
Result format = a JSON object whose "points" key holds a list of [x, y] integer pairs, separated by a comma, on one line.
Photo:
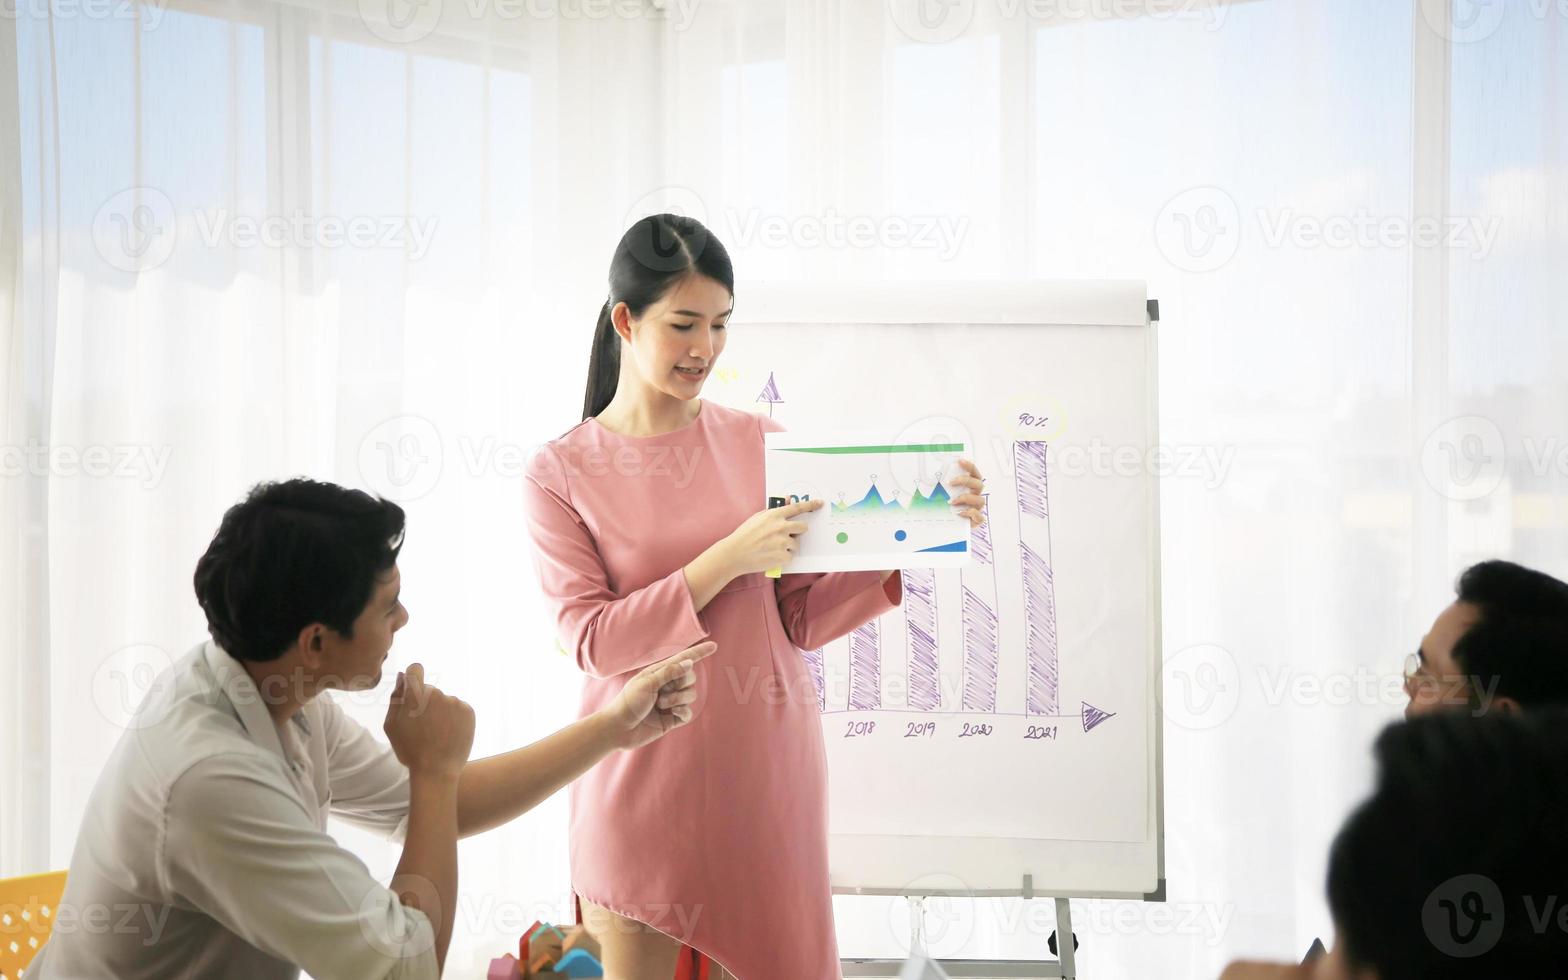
{"points": [[925, 692], [865, 668], [981, 639], [1043, 692], [1029, 472]]}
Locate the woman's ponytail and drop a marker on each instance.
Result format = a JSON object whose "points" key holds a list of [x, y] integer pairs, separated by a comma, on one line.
{"points": [[604, 365]]}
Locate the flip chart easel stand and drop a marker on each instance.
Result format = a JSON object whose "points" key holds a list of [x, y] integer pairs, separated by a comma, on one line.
{"points": [[1063, 966]]}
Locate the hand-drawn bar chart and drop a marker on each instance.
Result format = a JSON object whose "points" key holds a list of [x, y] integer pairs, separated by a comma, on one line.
{"points": [[975, 687], [1001, 717]]}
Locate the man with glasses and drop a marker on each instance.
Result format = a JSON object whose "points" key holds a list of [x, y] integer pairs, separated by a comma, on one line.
{"points": [[1501, 644]]}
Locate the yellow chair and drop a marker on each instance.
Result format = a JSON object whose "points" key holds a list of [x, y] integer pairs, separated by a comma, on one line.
{"points": [[27, 907]]}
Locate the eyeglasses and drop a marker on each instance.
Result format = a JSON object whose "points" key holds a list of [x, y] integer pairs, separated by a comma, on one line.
{"points": [[1421, 682], [1415, 670]]}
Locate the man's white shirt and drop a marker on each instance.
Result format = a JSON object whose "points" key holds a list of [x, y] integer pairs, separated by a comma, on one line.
{"points": [[204, 852]]}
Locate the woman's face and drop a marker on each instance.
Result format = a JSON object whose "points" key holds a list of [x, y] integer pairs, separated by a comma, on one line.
{"points": [[684, 329]]}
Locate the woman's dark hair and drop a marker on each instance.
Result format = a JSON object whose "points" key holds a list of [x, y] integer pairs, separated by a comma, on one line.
{"points": [[1521, 638], [655, 254], [1457, 864], [291, 554]]}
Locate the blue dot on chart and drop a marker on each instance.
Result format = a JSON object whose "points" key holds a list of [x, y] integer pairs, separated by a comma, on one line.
{"points": [[842, 537], [900, 535]]}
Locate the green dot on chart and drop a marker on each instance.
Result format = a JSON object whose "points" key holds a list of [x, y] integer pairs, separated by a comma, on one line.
{"points": [[842, 537]]}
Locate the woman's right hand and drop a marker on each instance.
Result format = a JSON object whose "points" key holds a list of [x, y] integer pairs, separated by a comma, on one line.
{"points": [[766, 539]]}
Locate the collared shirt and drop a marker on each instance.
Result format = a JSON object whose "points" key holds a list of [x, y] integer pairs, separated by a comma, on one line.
{"points": [[204, 852]]}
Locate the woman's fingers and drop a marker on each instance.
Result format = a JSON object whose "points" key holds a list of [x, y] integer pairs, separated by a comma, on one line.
{"points": [[801, 507]]}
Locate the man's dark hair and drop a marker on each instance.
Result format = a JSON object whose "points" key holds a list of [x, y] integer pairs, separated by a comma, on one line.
{"points": [[1521, 638], [1457, 864], [291, 554]]}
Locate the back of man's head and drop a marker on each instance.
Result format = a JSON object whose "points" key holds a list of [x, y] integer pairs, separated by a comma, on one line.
{"points": [[291, 554], [1520, 638], [1456, 865]]}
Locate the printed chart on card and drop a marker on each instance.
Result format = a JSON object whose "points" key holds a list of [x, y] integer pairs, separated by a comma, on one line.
{"points": [[1009, 699], [886, 501]]}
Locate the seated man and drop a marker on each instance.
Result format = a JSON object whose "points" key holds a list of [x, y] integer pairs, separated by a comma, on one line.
{"points": [[209, 818], [1502, 643], [1455, 866]]}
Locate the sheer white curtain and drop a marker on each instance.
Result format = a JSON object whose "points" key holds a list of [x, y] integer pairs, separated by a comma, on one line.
{"points": [[447, 181]]}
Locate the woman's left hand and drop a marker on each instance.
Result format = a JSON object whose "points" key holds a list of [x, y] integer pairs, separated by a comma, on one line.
{"points": [[976, 483]]}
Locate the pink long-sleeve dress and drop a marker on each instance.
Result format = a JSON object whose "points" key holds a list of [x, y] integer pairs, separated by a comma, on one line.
{"points": [[715, 834]]}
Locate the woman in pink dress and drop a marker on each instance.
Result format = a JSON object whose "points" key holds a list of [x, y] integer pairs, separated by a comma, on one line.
{"points": [[648, 538]]}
